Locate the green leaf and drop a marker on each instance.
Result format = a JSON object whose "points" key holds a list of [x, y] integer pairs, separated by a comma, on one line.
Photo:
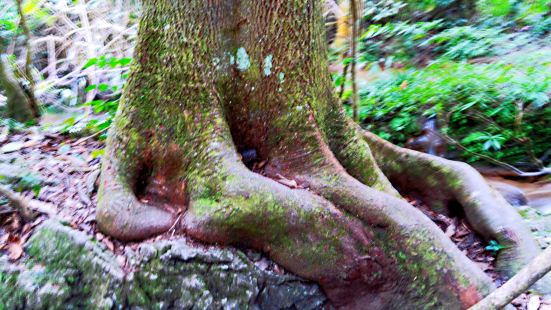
{"points": [[90, 87], [339, 81], [472, 137], [97, 153], [125, 61], [103, 87], [90, 62], [495, 247], [347, 61]]}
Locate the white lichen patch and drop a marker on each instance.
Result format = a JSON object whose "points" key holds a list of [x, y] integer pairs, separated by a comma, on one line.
{"points": [[268, 65], [243, 61], [281, 77]]}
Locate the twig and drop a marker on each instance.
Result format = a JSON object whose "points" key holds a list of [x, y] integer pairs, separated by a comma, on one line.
{"points": [[173, 227], [353, 48], [20, 203], [517, 171], [29, 208], [344, 74], [518, 284], [79, 141]]}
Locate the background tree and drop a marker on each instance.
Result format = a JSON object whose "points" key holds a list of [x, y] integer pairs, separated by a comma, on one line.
{"points": [[21, 103], [212, 78], [19, 106]]}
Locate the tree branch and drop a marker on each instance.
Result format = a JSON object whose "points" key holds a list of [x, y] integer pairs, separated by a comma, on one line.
{"points": [[518, 284], [29, 209]]}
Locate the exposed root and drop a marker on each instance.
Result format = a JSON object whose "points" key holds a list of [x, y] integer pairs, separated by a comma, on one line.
{"points": [[122, 215], [442, 183], [361, 245], [353, 152], [406, 231]]}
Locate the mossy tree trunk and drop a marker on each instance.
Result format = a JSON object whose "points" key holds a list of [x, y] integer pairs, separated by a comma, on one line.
{"points": [[211, 78], [20, 106]]}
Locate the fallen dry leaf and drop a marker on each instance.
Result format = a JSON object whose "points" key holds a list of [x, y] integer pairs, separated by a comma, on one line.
{"points": [[533, 303], [31, 143], [14, 223], [450, 231], [4, 240], [121, 260], [278, 269], [4, 134], [12, 147], [109, 244], [283, 180], [483, 266], [15, 248]]}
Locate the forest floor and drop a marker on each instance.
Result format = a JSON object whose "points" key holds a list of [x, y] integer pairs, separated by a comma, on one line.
{"points": [[62, 173]]}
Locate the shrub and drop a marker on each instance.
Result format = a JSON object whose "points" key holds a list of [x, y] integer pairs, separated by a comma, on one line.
{"points": [[501, 109]]}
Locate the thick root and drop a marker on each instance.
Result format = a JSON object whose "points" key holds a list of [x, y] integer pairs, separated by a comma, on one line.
{"points": [[442, 184], [353, 152], [379, 248], [120, 214]]}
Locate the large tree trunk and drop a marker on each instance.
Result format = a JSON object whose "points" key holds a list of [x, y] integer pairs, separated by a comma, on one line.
{"points": [[212, 78]]}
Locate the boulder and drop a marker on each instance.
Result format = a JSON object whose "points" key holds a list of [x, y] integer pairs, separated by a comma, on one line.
{"points": [[66, 268]]}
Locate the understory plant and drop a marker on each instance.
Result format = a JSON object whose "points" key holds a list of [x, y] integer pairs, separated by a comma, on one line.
{"points": [[500, 110]]}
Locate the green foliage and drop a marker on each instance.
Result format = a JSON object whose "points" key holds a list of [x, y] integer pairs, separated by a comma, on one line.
{"points": [[15, 126], [104, 61], [466, 42], [495, 7], [527, 12], [97, 153], [105, 108], [27, 182], [377, 10], [8, 25], [35, 14], [428, 5], [494, 247], [501, 110], [399, 40], [480, 67]]}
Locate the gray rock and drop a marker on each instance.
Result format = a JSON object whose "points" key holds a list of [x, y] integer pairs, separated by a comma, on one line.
{"points": [[68, 269], [514, 195]]}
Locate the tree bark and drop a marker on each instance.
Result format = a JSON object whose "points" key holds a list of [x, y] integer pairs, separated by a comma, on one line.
{"points": [[33, 102], [215, 78], [19, 106]]}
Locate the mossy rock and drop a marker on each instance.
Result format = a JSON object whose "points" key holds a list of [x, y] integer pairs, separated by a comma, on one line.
{"points": [[65, 268]]}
